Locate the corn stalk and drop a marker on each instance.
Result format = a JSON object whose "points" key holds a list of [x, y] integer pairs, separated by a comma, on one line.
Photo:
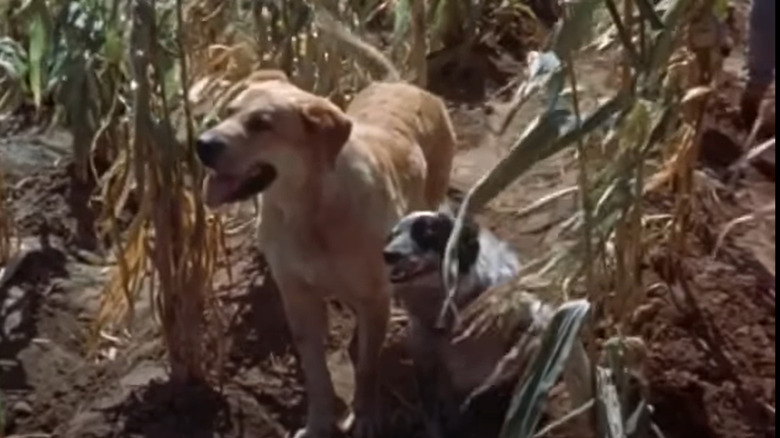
{"points": [[171, 242], [170, 232], [602, 246]]}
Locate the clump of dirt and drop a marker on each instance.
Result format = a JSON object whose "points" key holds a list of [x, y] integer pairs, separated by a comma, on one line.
{"points": [[711, 337], [711, 328], [54, 202]]}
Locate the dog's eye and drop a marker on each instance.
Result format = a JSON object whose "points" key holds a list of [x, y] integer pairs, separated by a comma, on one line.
{"points": [[258, 122], [424, 233]]}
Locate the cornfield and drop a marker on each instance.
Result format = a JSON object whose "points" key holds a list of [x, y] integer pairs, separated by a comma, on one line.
{"points": [[135, 80]]}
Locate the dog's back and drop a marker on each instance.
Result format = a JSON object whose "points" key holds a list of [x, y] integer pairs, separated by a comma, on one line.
{"points": [[403, 109], [421, 118]]}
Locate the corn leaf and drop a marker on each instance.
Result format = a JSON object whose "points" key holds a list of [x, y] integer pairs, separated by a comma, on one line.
{"points": [[557, 342], [543, 69], [548, 134], [608, 404], [37, 47]]}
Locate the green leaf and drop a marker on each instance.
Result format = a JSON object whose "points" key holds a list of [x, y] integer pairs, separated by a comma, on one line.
{"points": [[557, 342], [38, 40], [538, 143], [113, 47], [609, 404], [721, 9], [402, 16]]}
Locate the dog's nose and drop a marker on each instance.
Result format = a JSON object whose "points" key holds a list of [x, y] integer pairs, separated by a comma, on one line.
{"points": [[392, 257], [208, 147]]}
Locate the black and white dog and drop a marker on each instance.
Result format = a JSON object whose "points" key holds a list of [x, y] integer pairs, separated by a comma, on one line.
{"points": [[446, 372], [415, 251]]}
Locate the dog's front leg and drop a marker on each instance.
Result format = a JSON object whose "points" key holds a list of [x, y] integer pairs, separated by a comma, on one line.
{"points": [[429, 397], [428, 371], [373, 313], [308, 321]]}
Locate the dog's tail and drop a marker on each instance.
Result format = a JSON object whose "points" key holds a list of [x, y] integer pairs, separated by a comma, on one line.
{"points": [[327, 23]]}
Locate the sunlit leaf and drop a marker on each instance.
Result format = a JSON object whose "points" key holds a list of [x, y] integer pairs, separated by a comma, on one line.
{"points": [[37, 47]]}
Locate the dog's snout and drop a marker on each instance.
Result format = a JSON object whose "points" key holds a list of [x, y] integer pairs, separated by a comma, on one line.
{"points": [[208, 147], [392, 257]]}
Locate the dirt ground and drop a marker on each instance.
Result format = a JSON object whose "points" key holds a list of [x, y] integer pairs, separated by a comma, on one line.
{"points": [[710, 329]]}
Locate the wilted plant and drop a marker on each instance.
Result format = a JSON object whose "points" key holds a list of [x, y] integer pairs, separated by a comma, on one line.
{"points": [[605, 237], [170, 236], [171, 230]]}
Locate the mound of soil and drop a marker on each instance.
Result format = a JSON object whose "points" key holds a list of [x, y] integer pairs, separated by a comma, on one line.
{"points": [[54, 202], [711, 332]]}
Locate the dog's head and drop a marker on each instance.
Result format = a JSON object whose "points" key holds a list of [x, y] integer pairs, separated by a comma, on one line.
{"points": [[415, 247], [273, 135]]}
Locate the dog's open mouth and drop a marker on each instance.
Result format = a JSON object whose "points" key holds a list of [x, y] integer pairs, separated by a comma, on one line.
{"points": [[221, 188], [409, 269]]}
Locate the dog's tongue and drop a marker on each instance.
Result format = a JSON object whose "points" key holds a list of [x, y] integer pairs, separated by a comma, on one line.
{"points": [[218, 188]]}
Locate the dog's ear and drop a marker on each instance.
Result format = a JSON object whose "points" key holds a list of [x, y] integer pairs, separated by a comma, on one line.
{"points": [[468, 246], [267, 74], [328, 124]]}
